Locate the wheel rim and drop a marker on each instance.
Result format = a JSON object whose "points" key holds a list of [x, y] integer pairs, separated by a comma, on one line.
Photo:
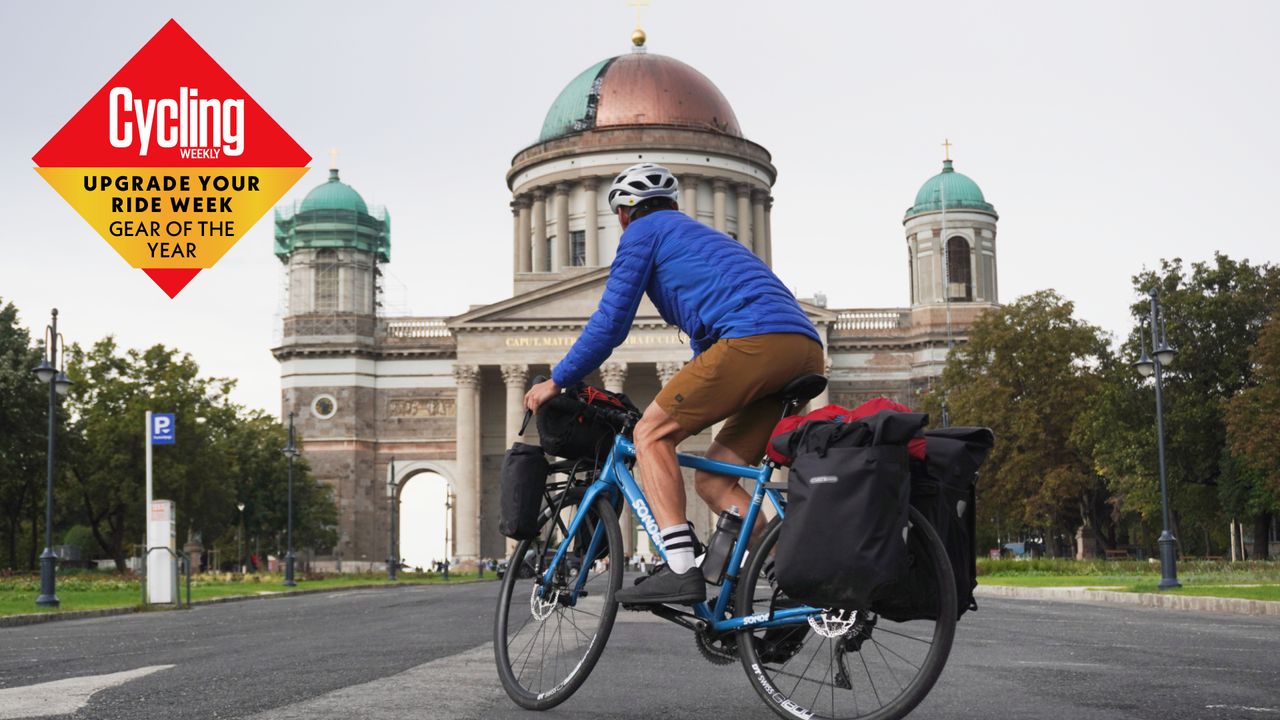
{"points": [[874, 670], [545, 641]]}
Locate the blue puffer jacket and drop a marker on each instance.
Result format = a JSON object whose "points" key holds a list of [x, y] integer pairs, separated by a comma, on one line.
{"points": [[701, 280]]}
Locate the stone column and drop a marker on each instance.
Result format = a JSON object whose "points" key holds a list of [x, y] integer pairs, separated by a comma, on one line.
{"points": [[757, 222], [614, 375], [689, 195], [560, 244], [514, 377], [824, 398], [539, 251], [592, 219], [523, 237], [768, 231], [668, 370], [718, 188], [515, 237], [744, 216], [467, 527]]}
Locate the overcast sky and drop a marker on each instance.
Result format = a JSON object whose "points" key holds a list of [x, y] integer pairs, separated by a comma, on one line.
{"points": [[1107, 135]]}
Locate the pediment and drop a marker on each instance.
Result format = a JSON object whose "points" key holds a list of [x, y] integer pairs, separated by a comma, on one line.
{"points": [[568, 303]]}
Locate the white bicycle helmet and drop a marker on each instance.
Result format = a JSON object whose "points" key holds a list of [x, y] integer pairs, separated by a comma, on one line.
{"points": [[641, 182]]}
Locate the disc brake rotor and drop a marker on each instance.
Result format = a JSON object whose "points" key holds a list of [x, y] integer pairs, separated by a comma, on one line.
{"points": [[833, 623], [543, 607]]}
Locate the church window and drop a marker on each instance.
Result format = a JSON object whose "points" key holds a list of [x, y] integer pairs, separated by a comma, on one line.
{"points": [[578, 248], [326, 281], [959, 268]]}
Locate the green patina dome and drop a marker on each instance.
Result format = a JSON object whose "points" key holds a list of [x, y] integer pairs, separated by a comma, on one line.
{"points": [[961, 193], [334, 195], [333, 215]]}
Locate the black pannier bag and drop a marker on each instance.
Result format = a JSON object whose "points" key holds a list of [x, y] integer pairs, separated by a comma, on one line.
{"points": [[524, 480], [844, 536], [943, 489], [570, 427]]}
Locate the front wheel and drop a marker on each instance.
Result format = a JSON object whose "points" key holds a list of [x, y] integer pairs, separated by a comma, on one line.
{"points": [[845, 665], [546, 642]]}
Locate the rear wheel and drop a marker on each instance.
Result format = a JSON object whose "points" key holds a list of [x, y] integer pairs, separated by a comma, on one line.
{"points": [[545, 642], [846, 665]]}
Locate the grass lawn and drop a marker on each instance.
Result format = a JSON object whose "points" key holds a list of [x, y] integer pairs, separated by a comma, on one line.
{"points": [[1246, 580], [92, 590]]}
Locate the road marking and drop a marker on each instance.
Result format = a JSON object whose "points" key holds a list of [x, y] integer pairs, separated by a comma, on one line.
{"points": [[1242, 707], [63, 697], [459, 686]]}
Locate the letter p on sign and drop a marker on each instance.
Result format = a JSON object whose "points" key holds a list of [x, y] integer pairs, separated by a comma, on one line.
{"points": [[162, 428]]}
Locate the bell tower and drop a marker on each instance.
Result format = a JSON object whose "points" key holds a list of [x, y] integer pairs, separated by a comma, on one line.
{"points": [[951, 242], [331, 244]]}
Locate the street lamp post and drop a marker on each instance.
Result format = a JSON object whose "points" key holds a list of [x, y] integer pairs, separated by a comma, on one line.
{"points": [[53, 373], [1161, 355], [393, 499], [447, 507], [291, 451], [240, 539]]}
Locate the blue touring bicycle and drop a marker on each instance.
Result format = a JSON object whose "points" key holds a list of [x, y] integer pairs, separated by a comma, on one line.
{"points": [[556, 607]]}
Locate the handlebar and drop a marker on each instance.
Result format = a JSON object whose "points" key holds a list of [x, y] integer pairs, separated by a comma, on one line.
{"points": [[624, 418], [528, 414]]}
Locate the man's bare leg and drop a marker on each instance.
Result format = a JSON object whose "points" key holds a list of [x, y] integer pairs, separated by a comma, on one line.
{"points": [[720, 492], [657, 435]]}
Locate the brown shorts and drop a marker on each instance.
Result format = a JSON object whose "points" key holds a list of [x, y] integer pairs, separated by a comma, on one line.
{"points": [[736, 379]]}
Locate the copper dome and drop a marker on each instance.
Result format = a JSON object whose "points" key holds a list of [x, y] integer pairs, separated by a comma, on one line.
{"points": [[639, 89]]}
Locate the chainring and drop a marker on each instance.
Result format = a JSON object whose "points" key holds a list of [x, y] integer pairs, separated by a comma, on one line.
{"points": [[717, 651]]}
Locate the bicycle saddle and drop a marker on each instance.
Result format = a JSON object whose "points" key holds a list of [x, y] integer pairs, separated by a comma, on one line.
{"points": [[803, 389]]}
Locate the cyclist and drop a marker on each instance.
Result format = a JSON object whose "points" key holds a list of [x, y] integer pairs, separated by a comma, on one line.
{"points": [[749, 336]]}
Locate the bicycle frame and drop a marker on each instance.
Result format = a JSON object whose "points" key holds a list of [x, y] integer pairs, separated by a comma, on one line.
{"points": [[616, 477]]}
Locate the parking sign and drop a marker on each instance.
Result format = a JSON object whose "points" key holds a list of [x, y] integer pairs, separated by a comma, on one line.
{"points": [[162, 428]]}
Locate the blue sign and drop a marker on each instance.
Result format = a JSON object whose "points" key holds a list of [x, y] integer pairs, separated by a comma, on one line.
{"points": [[162, 428]]}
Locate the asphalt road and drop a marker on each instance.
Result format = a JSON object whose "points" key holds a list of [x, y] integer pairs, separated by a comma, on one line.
{"points": [[425, 652]]}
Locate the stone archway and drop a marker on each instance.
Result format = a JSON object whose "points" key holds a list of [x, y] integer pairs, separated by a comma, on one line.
{"points": [[426, 532]]}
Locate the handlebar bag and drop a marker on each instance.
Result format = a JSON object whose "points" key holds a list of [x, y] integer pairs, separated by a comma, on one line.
{"points": [[524, 481], [572, 426]]}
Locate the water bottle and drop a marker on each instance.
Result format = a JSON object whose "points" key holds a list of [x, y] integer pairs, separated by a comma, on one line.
{"points": [[720, 547]]}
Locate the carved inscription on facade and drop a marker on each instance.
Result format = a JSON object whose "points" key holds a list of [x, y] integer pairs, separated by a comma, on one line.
{"points": [[421, 407], [568, 340]]}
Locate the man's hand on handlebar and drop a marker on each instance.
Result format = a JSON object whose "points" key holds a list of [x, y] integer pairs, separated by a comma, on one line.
{"points": [[540, 393]]}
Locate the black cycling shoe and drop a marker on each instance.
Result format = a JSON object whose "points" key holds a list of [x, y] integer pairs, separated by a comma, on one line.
{"points": [[666, 586]]}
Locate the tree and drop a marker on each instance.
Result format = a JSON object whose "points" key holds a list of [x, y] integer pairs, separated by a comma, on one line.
{"points": [[223, 454], [23, 427], [1026, 372], [1213, 314], [1253, 433], [262, 483]]}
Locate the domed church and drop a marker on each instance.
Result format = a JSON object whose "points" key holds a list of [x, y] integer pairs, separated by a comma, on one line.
{"points": [[380, 399]]}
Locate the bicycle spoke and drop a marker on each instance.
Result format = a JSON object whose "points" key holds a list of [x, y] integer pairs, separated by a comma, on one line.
{"points": [[870, 682], [909, 637], [892, 674], [802, 672], [891, 652]]}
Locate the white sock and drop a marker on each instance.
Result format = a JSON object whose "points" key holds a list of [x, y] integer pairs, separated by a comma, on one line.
{"points": [[677, 541]]}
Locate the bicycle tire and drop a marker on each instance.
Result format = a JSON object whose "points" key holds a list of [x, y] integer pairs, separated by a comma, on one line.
{"points": [[924, 546], [513, 670]]}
